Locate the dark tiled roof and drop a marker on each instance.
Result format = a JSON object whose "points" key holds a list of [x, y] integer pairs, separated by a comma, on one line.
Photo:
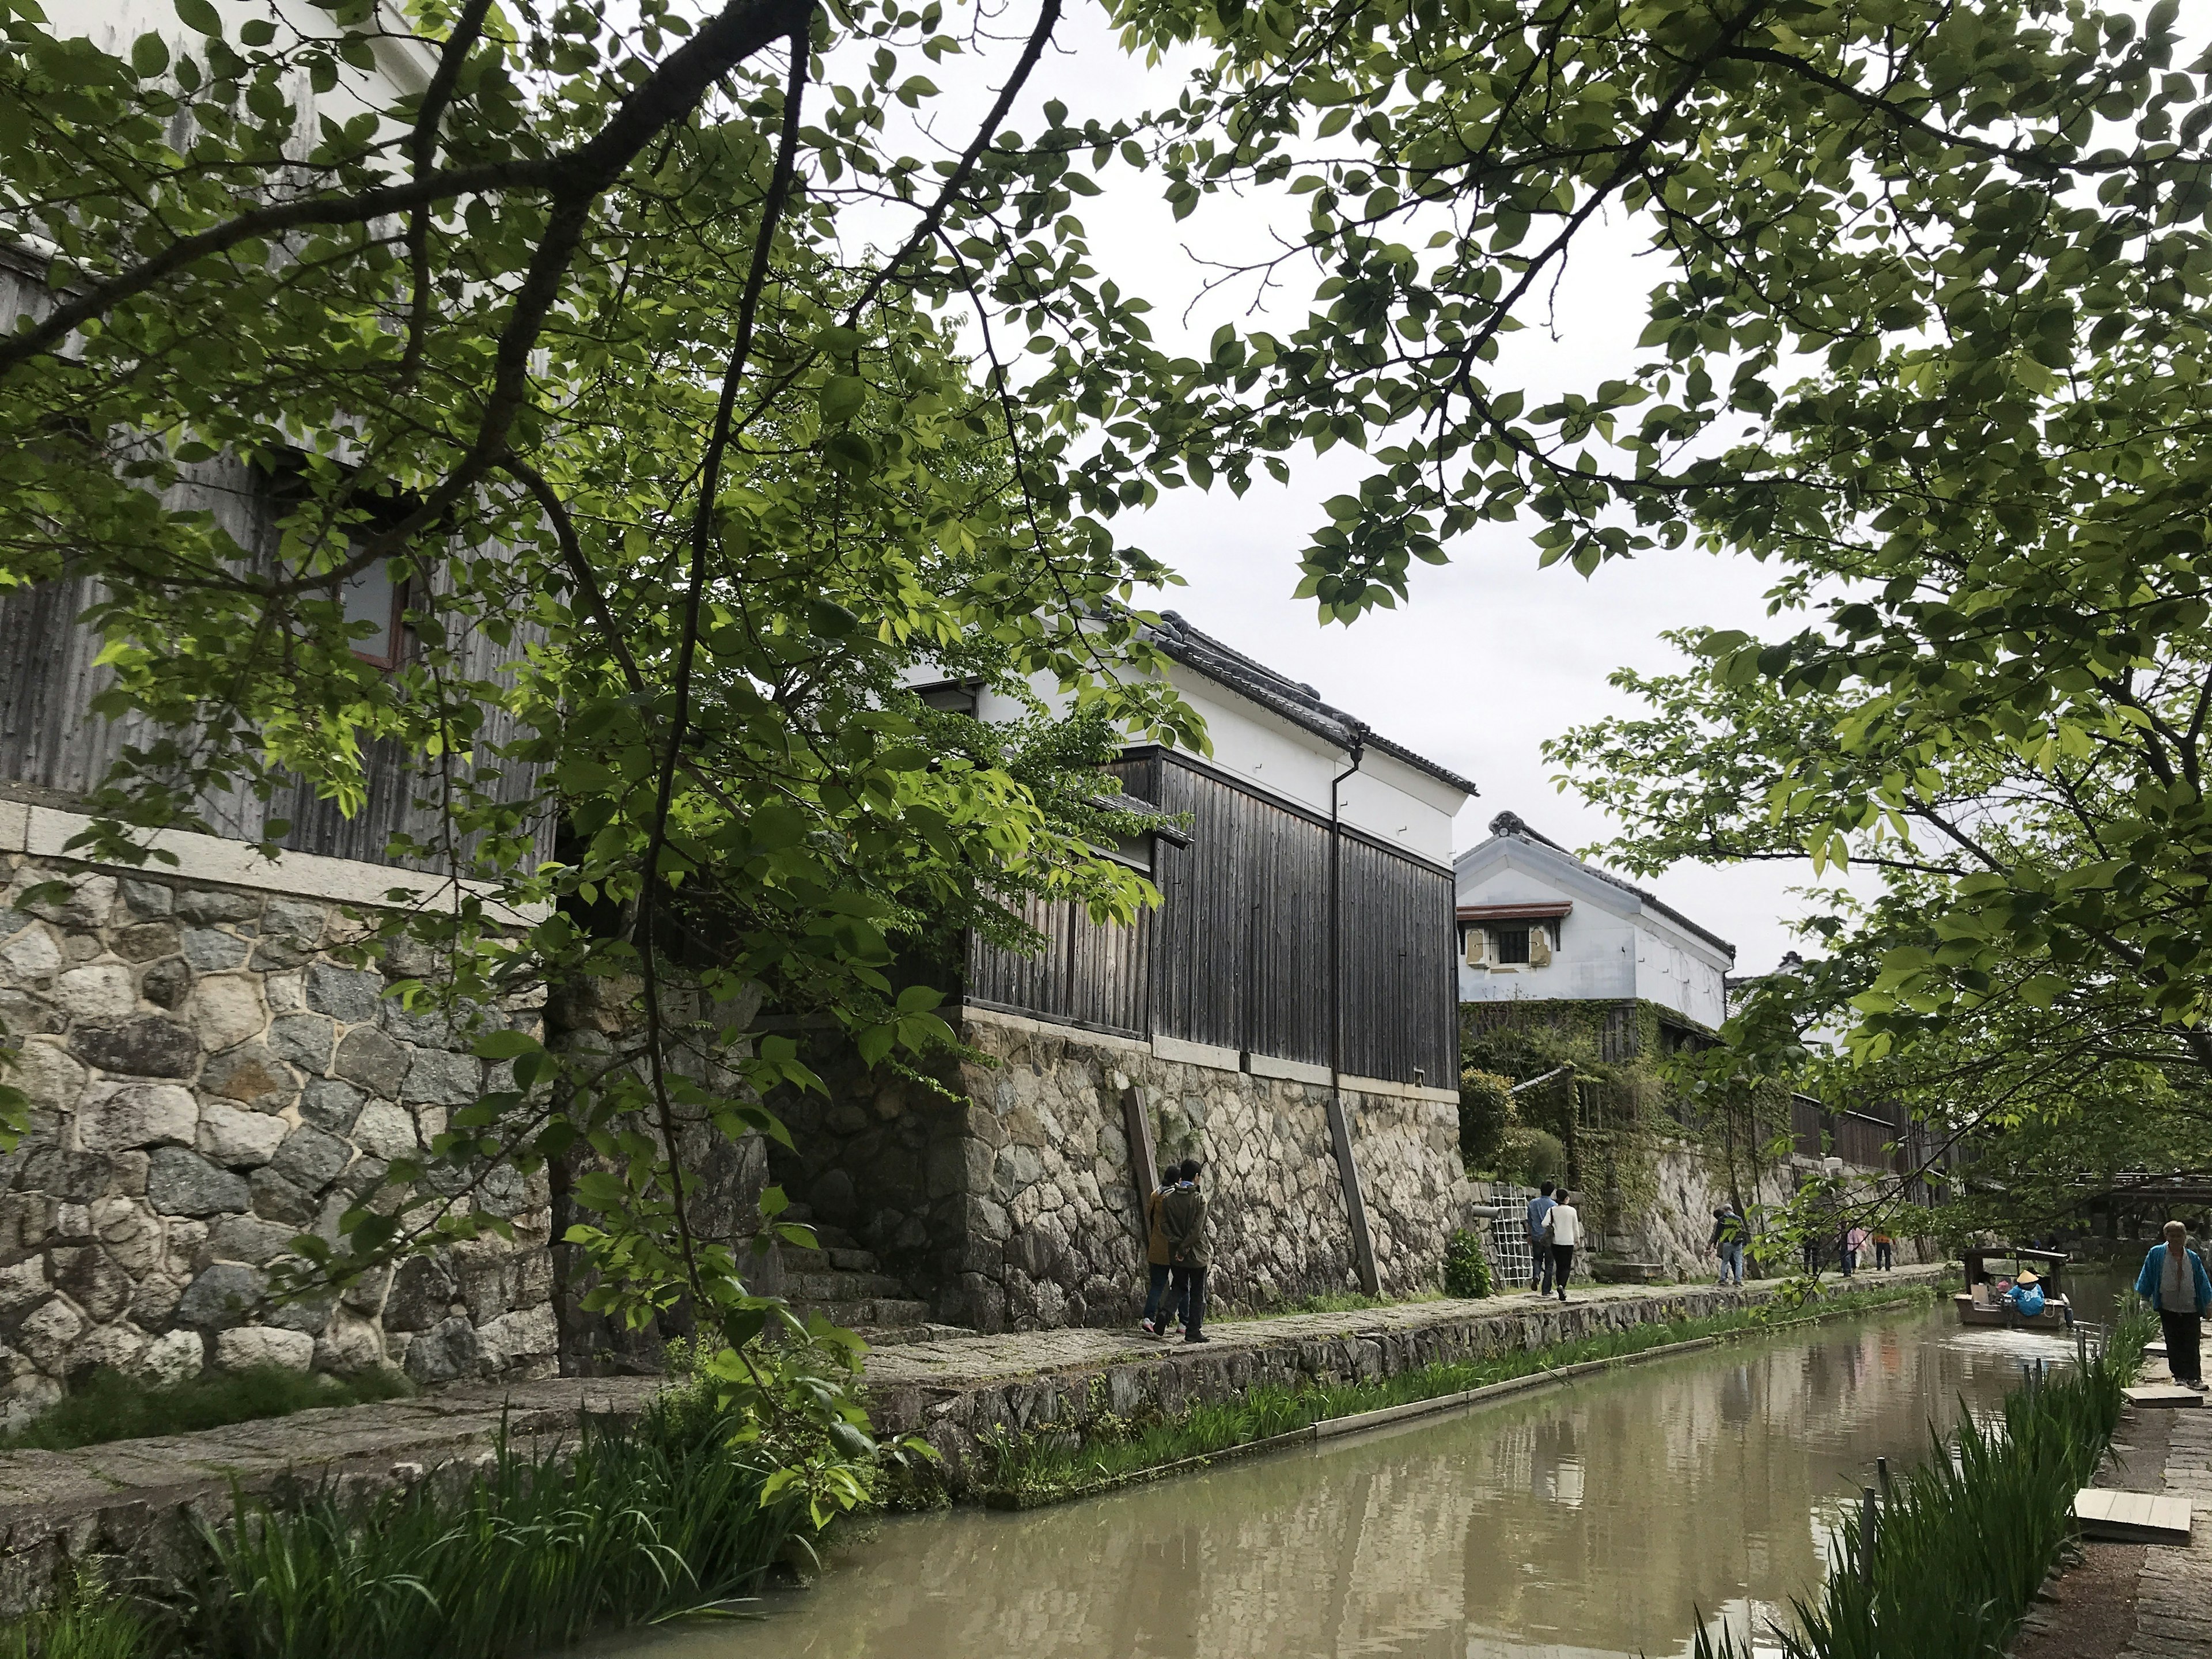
{"points": [[1297, 703], [1509, 823]]}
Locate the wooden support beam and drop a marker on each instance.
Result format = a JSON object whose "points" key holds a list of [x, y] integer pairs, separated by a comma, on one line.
{"points": [[1355, 1201], [1144, 1164]]}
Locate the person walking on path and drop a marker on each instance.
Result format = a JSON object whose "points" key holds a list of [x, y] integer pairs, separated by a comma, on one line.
{"points": [[1854, 1243], [1562, 1230], [1540, 1248], [1728, 1233], [1155, 1320], [1182, 1219], [1885, 1250], [2172, 1280]]}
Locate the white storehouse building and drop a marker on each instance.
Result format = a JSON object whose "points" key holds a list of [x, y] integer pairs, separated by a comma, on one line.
{"points": [[1538, 924]]}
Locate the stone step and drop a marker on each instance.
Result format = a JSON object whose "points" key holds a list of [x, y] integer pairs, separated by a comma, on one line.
{"points": [[880, 1313], [840, 1287], [825, 1233], [797, 1260]]}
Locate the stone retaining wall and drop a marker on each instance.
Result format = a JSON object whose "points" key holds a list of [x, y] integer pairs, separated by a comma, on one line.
{"points": [[208, 1078], [1009, 1203], [952, 1413]]}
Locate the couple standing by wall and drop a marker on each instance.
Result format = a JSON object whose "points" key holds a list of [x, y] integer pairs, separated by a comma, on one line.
{"points": [[1178, 1253], [1555, 1230]]}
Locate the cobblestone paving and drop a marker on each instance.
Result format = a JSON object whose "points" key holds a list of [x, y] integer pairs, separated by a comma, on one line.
{"points": [[2173, 1591]]}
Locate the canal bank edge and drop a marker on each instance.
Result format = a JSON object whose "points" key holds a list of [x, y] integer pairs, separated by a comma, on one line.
{"points": [[128, 1506], [1387, 1416], [941, 1393]]}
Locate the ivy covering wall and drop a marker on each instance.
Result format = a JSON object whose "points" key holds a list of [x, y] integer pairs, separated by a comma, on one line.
{"points": [[1619, 1096]]}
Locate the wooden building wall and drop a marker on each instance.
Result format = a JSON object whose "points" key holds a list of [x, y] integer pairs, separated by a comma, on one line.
{"points": [[1236, 957], [54, 753]]}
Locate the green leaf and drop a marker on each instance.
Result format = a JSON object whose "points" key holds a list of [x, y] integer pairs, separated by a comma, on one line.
{"points": [[201, 17]]}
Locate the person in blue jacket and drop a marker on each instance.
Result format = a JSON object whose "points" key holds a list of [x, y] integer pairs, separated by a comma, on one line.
{"points": [[2174, 1281], [2024, 1296]]}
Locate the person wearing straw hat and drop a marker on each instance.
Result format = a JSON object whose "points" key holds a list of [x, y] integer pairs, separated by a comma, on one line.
{"points": [[2024, 1296], [2174, 1281]]}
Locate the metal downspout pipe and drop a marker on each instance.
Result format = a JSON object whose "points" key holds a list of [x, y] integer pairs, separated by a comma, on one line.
{"points": [[1340, 1128]]}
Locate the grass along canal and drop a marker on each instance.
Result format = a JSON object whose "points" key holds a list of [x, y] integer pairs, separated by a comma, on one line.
{"points": [[1601, 1516]]}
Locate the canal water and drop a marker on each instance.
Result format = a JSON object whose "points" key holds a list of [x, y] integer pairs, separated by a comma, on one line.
{"points": [[1608, 1517]]}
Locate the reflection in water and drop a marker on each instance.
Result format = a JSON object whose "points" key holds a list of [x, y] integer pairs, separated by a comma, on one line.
{"points": [[1600, 1518]]}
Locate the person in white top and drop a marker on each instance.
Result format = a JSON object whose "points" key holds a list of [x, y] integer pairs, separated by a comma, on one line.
{"points": [[1563, 1228]]}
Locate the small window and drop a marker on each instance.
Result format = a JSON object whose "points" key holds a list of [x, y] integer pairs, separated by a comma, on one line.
{"points": [[1135, 851], [371, 596], [1512, 945], [950, 696]]}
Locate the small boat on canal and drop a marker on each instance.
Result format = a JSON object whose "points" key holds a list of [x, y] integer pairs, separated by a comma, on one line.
{"points": [[1994, 1269]]}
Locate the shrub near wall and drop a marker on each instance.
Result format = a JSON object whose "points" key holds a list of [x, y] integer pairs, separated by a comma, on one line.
{"points": [[208, 1077]]}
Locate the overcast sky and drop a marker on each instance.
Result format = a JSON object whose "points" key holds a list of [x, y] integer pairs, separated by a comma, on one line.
{"points": [[1492, 655]]}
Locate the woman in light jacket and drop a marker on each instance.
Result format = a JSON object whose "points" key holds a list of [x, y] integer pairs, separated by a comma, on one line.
{"points": [[2172, 1280]]}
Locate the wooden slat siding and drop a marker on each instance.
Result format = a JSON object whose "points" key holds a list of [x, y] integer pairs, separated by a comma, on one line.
{"points": [[1090, 974], [1238, 952], [49, 675]]}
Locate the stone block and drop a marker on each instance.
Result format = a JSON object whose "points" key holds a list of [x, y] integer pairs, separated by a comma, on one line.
{"points": [[312, 1158], [305, 1040], [119, 1347], [350, 996], [175, 1356], [48, 1077], [238, 1139], [437, 1077], [253, 1075], [23, 1284], [104, 991], [181, 1182], [285, 993], [148, 941], [129, 1232], [297, 921], [275, 1199], [373, 1060], [46, 1333], [330, 1105], [515, 1337], [30, 956], [422, 1295], [72, 1177], [426, 1027], [249, 1239], [24, 1014], [212, 951], [152, 1045], [111, 1118], [222, 1296], [90, 902], [349, 1345], [217, 904], [155, 1301], [445, 1351], [253, 1345], [308, 1314], [166, 983], [97, 1283], [146, 898], [385, 1130], [225, 1009]]}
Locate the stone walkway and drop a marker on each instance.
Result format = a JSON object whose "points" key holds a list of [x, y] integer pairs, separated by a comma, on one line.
{"points": [[2173, 1587], [971, 1360]]}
